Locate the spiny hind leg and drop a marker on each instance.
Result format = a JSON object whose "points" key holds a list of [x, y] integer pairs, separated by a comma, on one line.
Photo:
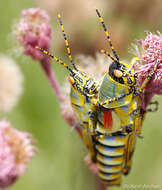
{"points": [[88, 140], [129, 150], [130, 144]]}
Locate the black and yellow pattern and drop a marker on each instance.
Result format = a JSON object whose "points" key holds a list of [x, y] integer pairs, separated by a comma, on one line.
{"points": [[111, 149], [66, 42], [107, 34], [110, 157]]}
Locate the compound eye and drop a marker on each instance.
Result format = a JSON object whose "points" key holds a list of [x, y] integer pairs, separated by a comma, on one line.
{"points": [[118, 73], [71, 80]]}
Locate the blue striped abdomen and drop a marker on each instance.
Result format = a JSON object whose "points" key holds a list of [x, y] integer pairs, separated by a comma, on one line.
{"points": [[110, 158]]}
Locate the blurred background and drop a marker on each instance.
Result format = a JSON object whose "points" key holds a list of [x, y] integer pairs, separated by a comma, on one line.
{"points": [[59, 164]]}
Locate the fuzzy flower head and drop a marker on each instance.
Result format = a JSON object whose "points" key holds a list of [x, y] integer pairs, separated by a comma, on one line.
{"points": [[15, 153], [95, 67], [153, 48], [149, 52], [11, 80], [34, 29]]}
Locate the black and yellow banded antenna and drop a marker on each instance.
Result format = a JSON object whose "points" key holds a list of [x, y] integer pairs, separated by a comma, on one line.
{"points": [[66, 42], [107, 53], [107, 34], [54, 58]]}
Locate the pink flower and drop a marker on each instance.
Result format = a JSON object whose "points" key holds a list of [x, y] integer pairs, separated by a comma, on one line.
{"points": [[34, 29], [15, 153], [151, 51]]}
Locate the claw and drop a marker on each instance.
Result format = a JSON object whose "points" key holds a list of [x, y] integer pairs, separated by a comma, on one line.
{"points": [[156, 103]]}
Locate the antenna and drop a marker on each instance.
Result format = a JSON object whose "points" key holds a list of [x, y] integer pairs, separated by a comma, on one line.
{"points": [[66, 42], [54, 58], [107, 34], [107, 53]]}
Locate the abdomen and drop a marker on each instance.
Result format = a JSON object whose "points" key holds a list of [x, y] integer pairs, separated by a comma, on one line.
{"points": [[110, 157]]}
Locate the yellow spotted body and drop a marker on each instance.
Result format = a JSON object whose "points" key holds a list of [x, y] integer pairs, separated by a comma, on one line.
{"points": [[82, 108], [115, 146], [111, 148]]}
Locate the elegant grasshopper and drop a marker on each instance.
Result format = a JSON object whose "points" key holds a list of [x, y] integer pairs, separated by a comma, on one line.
{"points": [[119, 93], [110, 146]]}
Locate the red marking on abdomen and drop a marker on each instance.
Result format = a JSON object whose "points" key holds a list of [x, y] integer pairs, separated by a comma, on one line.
{"points": [[108, 120]]}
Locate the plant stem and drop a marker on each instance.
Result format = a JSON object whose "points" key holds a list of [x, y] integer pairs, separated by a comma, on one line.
{"points": [[100, 185], [46, 66]]}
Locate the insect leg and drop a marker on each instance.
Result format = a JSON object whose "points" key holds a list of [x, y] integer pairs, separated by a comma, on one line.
{"points": [[130, 145], [92, 122], [110, 100], [148, 77], [156, 103], [134, 60], [129, 150], [88, 140]]}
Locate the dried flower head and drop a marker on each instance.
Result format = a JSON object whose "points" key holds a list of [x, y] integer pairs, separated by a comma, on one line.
{"points": [[11, 80], [149, 52], [34, 29], [95, 67], [15, 153], [67, 112]]}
